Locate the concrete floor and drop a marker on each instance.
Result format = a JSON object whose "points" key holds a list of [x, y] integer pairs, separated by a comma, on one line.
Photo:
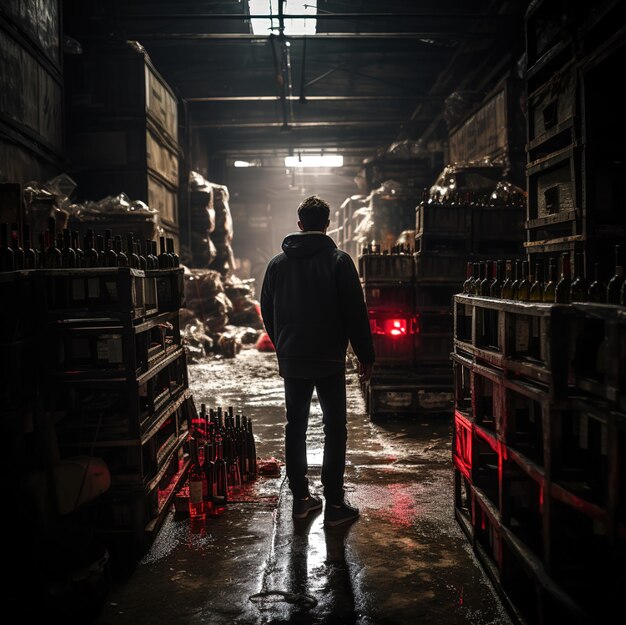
{"points": [[405, 561]]}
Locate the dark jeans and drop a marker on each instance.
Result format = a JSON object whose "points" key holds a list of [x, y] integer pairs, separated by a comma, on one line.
{"points": [[331, 392]]}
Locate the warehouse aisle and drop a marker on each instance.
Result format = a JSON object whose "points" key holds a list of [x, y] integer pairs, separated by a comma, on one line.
{"points": [[405, 561]]}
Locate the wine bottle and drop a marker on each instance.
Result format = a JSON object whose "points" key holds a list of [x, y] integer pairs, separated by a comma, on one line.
{"points": [[536, 290], [68, 253], [562, 290], [251, 450], [164, 259], [220, 494], [170, 250], [30, 255], [597, 289], [197, 482], [614, 287], [209, 472], [142, 259], [100, 250], [508, 282], [7, 257], [550, 288], [495, 288], [92, 258], [517, 279], [523, 287], [484, 283], [479, 278], [579, 286], [18, 252], [110, 256], [469, 275], [131, 251], [80, 253], [149, 259], [54, 257], [122, 259], [41, 252]]}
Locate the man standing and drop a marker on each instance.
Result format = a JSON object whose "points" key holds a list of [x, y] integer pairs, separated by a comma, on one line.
{"points": [[312, 305]]}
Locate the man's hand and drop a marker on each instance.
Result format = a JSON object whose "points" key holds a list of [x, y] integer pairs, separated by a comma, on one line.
{"points": [[365, 372]]}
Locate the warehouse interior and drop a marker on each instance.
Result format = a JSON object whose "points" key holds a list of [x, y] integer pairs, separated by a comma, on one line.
{"points": [[153, 155]]}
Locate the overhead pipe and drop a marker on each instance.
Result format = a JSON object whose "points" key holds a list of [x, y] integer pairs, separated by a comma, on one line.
{"points": [[310, 16]]}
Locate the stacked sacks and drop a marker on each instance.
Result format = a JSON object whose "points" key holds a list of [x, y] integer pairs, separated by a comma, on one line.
{"points": [[212, 322], [202, 250], [222, 235]]}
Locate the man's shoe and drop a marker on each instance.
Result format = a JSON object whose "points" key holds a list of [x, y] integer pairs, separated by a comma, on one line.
{"points": [[336, 515], [302, 507]]}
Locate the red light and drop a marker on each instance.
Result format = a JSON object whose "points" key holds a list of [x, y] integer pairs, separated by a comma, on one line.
{"points": [[391, 327]]}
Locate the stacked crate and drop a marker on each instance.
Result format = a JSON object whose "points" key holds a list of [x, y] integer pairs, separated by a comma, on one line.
{"points": [[574, 149], [538, 449], [124, 131], [117, 383]]}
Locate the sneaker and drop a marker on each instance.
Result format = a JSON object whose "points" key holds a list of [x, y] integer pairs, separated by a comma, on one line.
{"points": [[302, 507], [336, 515]]}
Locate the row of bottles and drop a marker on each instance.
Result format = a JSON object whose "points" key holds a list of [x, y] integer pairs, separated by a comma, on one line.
{"points": [[65, 250], [506, 196], [375, 248], [514, 280], [222, 459]]}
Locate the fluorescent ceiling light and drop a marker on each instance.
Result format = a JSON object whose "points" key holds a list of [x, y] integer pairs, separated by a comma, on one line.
{"points": [[292, 26], [242, 164], [314, 160]]}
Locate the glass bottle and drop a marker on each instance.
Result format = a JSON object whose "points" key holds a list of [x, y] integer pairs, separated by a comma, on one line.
{"points": [[579, 286], [92, 258], [220, 494], [209, 471], [110, 256], [469, 274], [80, 254], [30, 255], [517, 280], [164, 259], [508, 282], [495, 288], [614, 287], [251, 450], [100, 250], [7, 257], [487, 278], [131, 251], [69, 255], [523, 287], [142, 259], [172, 253], [550, 288], [562, 290], [18, 252], [122, 259], [54, 258], [597, 289], [536, 290], [197, 483]]}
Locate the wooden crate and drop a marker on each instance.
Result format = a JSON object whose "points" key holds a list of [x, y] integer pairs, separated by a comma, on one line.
{"points": [[386, 268], [440, 267], [390, 297]]}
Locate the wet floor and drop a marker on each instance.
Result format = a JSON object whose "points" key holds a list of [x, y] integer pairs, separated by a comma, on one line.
{"points": [[405, 561]]}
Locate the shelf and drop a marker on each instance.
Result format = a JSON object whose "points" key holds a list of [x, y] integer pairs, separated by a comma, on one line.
{"points": [[550, 160], [489, 437], [557, 218], [168, 360], [529, 467], [551, 134], [582, 505], [154, 482], [548, 57], [153, 525], [155, 424], [560, 244]]}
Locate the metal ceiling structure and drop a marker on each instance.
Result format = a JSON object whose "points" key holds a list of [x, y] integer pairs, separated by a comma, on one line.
{"points": [[366, 79]]}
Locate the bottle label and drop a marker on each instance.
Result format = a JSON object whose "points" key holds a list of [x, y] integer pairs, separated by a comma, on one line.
{"points": [[522, 333], [195, 491], [93, 288], [78, 289]]}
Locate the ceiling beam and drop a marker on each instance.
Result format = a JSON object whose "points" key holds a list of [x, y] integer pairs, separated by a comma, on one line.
{"points": [[308, 16], [461, 35], [318, 124], [315, 98]]}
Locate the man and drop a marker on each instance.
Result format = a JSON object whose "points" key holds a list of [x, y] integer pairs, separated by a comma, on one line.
{"points": [[312, 305]]}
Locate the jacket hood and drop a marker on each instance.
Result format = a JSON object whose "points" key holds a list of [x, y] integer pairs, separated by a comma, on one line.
{"points": [[302, 244]]}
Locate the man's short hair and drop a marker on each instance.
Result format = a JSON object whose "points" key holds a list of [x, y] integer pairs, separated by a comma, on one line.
{"points": [[314, 213]]}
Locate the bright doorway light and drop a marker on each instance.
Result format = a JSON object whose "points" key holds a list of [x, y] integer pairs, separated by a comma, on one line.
{"points": [[314, 160], [292, 26], [242, 164]]}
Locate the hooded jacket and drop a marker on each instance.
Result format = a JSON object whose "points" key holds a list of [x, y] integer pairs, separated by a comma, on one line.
{"points": [[312, 305]]}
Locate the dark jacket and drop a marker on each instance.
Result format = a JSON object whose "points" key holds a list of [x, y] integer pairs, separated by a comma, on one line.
{"points": [[312, 305]]}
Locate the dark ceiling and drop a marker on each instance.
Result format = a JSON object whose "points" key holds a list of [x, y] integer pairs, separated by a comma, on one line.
{"points": [[374, 73]]}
